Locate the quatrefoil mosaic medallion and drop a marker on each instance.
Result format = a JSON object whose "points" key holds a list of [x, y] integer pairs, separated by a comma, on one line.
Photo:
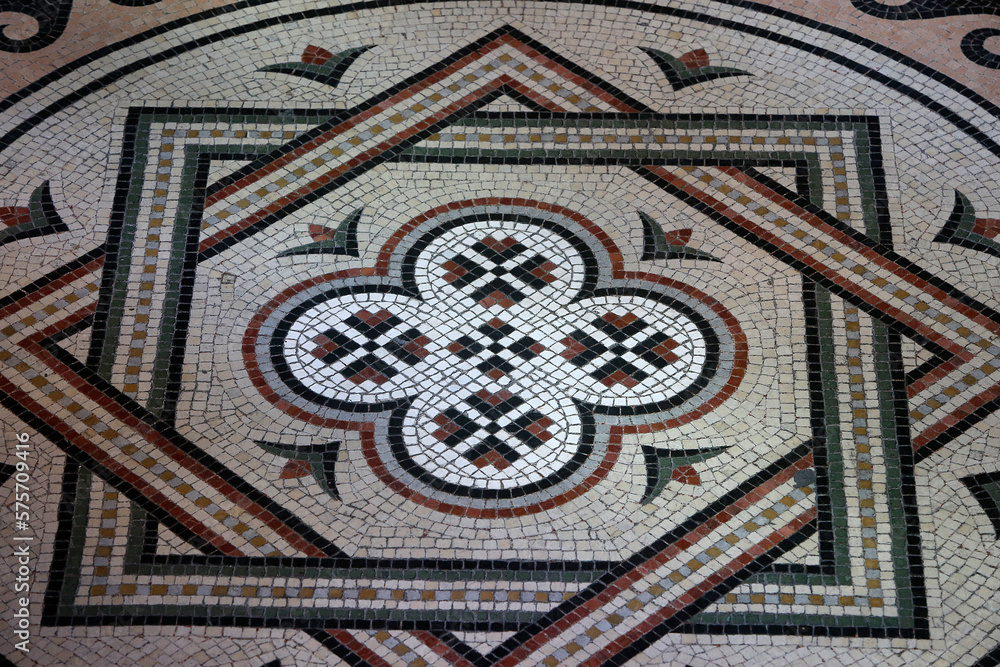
{"points": [[504, 362]]}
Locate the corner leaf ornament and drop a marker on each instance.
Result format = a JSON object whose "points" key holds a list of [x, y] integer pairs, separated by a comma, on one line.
{"points": [[690, 68], [657, 244], [318, 64], [316, 460], [38, 218], [665, 465], [326, 241], [965, 229]]}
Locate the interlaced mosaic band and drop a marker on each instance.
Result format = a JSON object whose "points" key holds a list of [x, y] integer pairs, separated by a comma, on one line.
{"points": [[493, 335]]}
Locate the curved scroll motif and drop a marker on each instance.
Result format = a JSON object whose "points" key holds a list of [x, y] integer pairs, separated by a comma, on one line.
{"points": [[51, 15], [974, 47], [926, 9], [973, 44]]}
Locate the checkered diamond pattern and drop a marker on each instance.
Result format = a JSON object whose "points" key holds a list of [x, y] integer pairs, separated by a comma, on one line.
{"points": [[499, 271], [500, 340], [512, 428], [390, 341], [619, 349]]}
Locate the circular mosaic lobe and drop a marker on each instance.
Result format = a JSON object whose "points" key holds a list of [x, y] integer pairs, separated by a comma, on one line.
{"points": [[634, 350], [361, 348], [490, 441], [501, 267]]}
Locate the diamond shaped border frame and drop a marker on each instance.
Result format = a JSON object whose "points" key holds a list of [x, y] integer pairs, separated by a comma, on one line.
{"points": [[640, 160], [928, 438]]}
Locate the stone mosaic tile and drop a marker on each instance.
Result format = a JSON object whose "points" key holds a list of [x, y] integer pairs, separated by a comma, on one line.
{"points": [[500, 334]]}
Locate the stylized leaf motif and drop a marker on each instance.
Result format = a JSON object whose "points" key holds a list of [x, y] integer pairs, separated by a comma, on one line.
{"points": [[319, 65], [319, 460], [38, 218], [690, 68], [326, 241], [963, 228], [664, 465], [657, 244]]}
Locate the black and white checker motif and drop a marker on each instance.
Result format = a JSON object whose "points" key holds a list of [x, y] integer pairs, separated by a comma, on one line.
{"points": [[610, 350], [620, 349], [390, 341], [632, 341], [500, 346], [493, 428], [492, 389], [479, 435], [499, 270], [358, 346]]}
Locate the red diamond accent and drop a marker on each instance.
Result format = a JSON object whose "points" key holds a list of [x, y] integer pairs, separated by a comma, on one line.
{"points": [[542, 423], [417, 346], [494, 399], [324, 346], [496, 245], [455, 271], [663, 351], [373, 319], [448, 427], [544, 272], [496, 298], [491, 458], [620, 321], [537, 428], [574, 348], [296, 468], [370, 374], [620, 377]]}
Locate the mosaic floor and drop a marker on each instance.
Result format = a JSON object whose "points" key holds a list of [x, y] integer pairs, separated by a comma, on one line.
{"points": [[483, 334]]}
